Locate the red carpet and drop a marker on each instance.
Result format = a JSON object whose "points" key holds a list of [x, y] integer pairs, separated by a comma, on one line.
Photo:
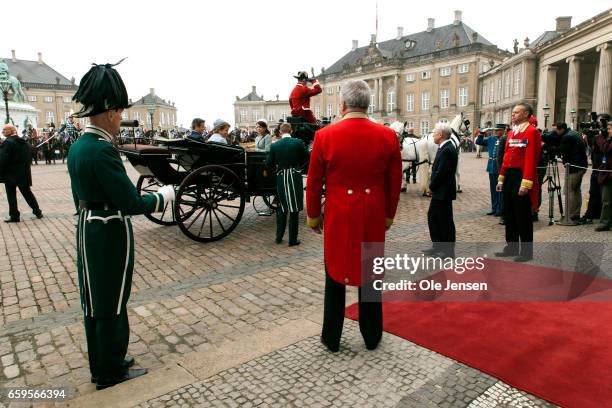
{"points": [[559, 351]]}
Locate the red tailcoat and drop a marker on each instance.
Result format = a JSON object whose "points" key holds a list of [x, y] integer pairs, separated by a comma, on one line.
{"points": [[523, 151], [299, 100], [360, 164]]}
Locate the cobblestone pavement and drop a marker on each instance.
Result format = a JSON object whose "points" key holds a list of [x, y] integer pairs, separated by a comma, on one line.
{"points": [[190, 297]]}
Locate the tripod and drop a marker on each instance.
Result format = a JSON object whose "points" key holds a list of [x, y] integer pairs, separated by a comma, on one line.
{"points": [[553, 181]]}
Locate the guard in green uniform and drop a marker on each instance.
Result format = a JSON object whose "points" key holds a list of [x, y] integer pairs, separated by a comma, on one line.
{"points": [[106, 199], [286, 157]]}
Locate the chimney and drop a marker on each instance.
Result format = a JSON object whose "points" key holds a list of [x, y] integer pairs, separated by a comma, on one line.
{"points": [[457, 17], [277, 97], [40, 61], [254, 90], [564, 23], [13, 57], [400, 33], [355, 45], [372, 39], [430, 24], [152, 91]]}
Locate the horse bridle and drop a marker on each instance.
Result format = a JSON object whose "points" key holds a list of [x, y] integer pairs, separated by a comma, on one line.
{"points": [[416, 152]]}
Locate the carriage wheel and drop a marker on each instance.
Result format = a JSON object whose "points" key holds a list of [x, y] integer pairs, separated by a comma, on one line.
{"points": [[149, 184], [265, 205], [209, 203]]}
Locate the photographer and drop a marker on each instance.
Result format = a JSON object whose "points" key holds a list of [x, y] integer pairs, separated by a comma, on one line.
{"points": [[604, 143], [572, 150], [591, 131]]}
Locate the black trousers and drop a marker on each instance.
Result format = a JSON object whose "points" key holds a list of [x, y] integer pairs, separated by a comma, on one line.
{"points": [[594, 208], [441, 224], [107, 344], [370, 313], [281, 225], [517, 214], [11, 196]]}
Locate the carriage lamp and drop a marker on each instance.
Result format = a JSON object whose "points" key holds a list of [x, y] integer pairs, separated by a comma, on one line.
{"points": [[546, 110], [5, 87], [573, 114]]}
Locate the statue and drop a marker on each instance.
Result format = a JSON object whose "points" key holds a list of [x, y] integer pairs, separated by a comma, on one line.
{"points": [[526, 42], [515, 46], [14, 85]]}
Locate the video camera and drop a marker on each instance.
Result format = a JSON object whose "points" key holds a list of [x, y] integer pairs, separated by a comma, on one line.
{"points": [[550, 148], [595, 126]]}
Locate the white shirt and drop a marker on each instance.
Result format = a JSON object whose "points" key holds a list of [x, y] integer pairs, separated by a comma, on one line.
{"points": [[284, 135], [216, 137]]}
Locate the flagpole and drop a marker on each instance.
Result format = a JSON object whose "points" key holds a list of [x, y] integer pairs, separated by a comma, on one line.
{"points": [[376, 20]]}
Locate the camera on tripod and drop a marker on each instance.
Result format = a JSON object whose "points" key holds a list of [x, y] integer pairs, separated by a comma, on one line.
{"points": [[550, 148], [594, 127]]}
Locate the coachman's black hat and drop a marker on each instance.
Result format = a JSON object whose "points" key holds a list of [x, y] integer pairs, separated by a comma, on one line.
{"points": [[301, 75], [101, 89]]}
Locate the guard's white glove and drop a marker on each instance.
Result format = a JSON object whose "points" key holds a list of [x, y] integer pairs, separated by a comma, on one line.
{"points": [[168, 193]]}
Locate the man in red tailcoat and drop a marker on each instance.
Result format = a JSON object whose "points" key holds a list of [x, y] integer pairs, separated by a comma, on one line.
{"points": [[519, 182], [299, 100], [360, 164]]}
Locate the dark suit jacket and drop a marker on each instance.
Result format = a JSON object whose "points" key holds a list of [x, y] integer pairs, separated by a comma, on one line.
{"points": [[15, 161], [442, 184]]}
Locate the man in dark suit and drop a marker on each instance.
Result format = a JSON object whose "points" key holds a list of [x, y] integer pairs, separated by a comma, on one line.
{"points": [[443, 191], [15, 161]]}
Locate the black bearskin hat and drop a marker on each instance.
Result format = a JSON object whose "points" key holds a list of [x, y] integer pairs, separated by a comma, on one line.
{"points": [[101, 89]]}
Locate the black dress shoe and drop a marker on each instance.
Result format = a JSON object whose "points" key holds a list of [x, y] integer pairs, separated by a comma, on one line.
{"points": [[505, 254], [129, 375], [430, 251], [11, 219], [38, 214], [502, 222], [332, 349], [523, 258], [294, 243], [127, 363], [278, 241], [491, 213]]}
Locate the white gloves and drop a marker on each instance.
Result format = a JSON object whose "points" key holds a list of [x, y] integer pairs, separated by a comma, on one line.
{"points": [[167, 192]]}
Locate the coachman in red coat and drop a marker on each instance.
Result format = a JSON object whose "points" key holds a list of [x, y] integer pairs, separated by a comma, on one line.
{"points": [[299, 100], [360, 164], [519, 182]]}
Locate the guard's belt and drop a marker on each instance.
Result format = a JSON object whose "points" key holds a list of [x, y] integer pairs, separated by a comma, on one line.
{"points": [[92, 205]]}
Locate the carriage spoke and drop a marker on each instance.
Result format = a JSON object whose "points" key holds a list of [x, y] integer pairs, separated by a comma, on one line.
{"points": [[228, 206], [211, 224], [196, 217], [224, 213], [219, 221], [202, 225]]}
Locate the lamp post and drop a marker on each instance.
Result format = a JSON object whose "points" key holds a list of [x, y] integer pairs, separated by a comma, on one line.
{"points": [[5, 87], [546, 110], [573, 114], [151, 110]]}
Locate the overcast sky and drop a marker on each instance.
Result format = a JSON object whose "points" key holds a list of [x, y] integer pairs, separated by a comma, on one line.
{"points": [[202, 54]]}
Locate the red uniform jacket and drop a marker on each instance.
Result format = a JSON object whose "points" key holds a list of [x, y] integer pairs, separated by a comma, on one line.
{"points": [[299, 100], [523, 151], [360, 164]]}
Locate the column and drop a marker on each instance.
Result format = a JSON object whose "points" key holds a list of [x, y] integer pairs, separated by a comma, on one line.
{"points": [[381, 106], [604, 79], [377, 106], [397, 98], [547, 94], [573, 89]]}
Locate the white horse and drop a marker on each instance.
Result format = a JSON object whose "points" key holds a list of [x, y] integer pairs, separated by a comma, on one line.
{"points": [[423, 151]]}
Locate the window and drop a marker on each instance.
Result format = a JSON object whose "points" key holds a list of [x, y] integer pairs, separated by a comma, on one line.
{"points": [[50, 117], [426, 75], [425, 98], [329, 90], [255, 115], [483, 99], [338, 89], [410, 77], [148, 115], [445, 71], [163, 118], [284, 117], [410, 102], [48, 99], [463, 96], [372, 105], [124, 115], [499, 89], [463, 68], [410, 44], [491, 92], [317, 110], [243, 115], [507, 85], [32, 98], [517, 81], [67, 99], [391, 100], [329, 112], [444, 98], [409, 125], [424, 127], [271, 115], [136, 116], [443, 121], [66, 115]]}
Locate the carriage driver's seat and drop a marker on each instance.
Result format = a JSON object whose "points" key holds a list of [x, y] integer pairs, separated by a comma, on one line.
{"points": [[302, 129]]}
